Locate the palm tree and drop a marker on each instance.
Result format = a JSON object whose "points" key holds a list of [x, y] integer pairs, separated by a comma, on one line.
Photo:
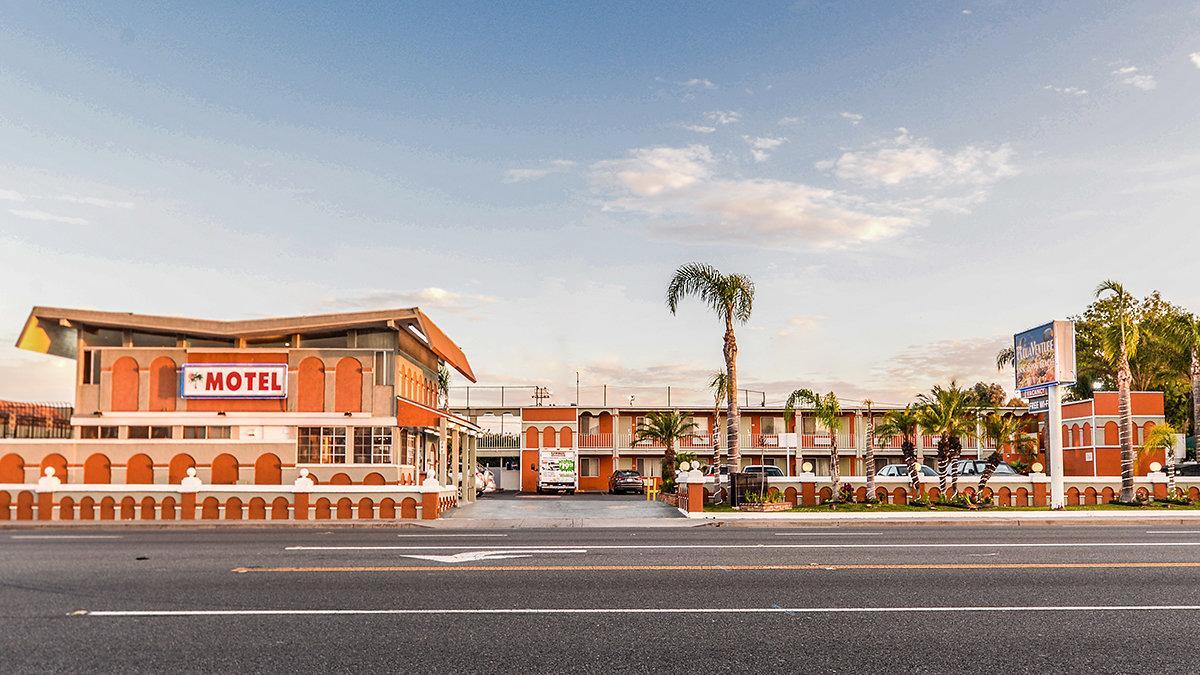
{"points": [[666, 427], [443, 386], [1005, 357], [828, 411], [1119, 343], [731, 297], [1162, 437], [719, 383], [1184, 336], [950, 413], [1003, 430], [869, 453], [904, 423]]}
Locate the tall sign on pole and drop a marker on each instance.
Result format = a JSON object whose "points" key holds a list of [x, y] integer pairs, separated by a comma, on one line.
{"points": [[1044, 360]]}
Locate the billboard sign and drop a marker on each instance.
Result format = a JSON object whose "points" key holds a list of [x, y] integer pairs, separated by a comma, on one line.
{"points": [[1045, 355], [233, 380]]}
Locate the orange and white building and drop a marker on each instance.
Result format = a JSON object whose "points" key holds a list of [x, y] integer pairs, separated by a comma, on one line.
{"points": [[347, 400]]}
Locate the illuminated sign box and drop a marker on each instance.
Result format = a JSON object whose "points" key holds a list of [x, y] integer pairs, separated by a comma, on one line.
{"points": [[234, 380], [1045, 356]]}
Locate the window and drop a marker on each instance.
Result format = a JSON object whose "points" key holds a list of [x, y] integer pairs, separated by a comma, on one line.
{"points": [[192, 433], [160, 432], [139, 432], [772, 425], [152, 340], [589, 467], [110, 432], [384, 369], [218, 432], [91, 367], [89, 432], [372, 445], [103, 337], [321, 445]]}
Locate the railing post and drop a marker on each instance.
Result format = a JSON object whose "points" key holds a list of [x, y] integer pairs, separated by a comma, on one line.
{"points": [[694, 484], [430, 490], [47, 484]]}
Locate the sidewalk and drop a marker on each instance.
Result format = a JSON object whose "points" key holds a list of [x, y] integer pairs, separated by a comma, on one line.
{"points": [[953, 518]]}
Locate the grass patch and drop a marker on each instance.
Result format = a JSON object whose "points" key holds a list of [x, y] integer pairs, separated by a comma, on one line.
{"points": [[893, 508]]}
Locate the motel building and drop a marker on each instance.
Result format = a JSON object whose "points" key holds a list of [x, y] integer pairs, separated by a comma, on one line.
{"points": [[605, 439], [323, 416]]}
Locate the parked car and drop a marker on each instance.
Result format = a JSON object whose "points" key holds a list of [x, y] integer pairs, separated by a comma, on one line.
{"points": [[626, 480], [1188, 469], [902, 470], [764, 469], [976, 467], [716, 469]]}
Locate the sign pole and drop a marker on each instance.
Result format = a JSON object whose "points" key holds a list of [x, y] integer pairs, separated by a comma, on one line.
{"points": [[1054, 448]]}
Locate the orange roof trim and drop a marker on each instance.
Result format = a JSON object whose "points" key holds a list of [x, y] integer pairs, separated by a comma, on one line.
{"points": [[444, 347]]}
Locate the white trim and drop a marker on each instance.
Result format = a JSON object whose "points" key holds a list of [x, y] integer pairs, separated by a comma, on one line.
{"points": [[230, 419]]}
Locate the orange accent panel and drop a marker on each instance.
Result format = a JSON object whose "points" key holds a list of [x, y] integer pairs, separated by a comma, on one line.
{"points": [[257, 509], [164, 384], [412, 415], [125, 385], [12, 468], [549, 438], [139, 470], [566, 438], [310, 384], [268, 470], [347, 387], [548, 414], [529, 459], [177, 469], [606, 423], [224, 469], [97, 469], [531, 437]]}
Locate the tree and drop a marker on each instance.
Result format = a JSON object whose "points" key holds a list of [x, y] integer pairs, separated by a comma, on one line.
{"points": [[989, 394], [827, 410], [1118, 342], [950, 413], [719, 383], [443, 386], [869, 453], [731, 298], [904, 423], [1003, 430], [1162, 437], [1184, 334], [666, 427]]}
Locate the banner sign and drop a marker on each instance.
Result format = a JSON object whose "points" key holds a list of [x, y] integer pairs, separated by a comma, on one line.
{"points": [[1039, 405], [1045, 355], [233, 380]]}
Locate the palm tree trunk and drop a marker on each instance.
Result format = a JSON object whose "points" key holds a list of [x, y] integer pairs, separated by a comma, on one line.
{"points": [[914, 474], [869, 457], [1170, 462], [835, 473], [731, 407], [943, 451], [993, 461], [669, 463], [1126, 434], [1196, 399], [955, 453], [716, 435]]}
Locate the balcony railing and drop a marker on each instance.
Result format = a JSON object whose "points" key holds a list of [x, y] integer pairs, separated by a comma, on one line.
{"points": [[499, 441], [595, 440], [892, 443]]}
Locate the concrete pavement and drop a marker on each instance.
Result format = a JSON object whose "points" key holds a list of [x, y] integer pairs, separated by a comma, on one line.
{"points": [[859, 599]]}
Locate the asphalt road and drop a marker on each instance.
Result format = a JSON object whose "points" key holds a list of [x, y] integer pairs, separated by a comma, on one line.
{"points": [[860, 599]]}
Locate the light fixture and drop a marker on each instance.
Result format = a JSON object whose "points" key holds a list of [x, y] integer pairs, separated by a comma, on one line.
{"points": [[347, 414], [221, 413]]}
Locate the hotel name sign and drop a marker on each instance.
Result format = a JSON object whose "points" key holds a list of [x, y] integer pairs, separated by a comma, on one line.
{"points": [[234, 380]]}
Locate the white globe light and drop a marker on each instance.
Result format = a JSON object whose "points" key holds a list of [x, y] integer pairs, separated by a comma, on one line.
{"points": [[1155, 467], [685, 466], [807, 466], [1037, 467]]}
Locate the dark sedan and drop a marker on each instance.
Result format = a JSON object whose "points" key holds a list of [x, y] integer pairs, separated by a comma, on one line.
{"points": [[625, 480]]}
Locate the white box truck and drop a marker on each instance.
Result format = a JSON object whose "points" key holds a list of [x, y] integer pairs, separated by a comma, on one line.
{"points": [[558, 470]]}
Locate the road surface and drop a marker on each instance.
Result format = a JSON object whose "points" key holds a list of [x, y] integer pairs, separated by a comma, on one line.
{"points": [[712, 599]]}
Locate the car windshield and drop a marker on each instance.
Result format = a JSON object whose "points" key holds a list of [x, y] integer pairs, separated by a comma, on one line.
{"points": [[626, 473]]}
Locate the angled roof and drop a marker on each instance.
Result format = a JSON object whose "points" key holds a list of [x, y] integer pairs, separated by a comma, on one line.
{"points": [[46, 323]]}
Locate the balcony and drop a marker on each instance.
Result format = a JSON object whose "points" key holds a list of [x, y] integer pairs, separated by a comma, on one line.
{"points": [[595, 440], [499, 441]]}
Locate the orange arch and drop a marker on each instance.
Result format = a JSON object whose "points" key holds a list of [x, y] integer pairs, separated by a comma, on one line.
{"points": [[97, 469], [531, 437], [374, 478], [258, 508], [1022, 497], [125, 385], [387, 508], [108, 508], [1107, 495], [58, 462], [268, 470], [408, 508], [139, 470], [566, 438], [1087, 433], [24, 505], [345, 508], [128, 506], [1005, 496], [366, 509], [549, 438], [164, 384], [66, 509], [322, 509], [177, 469], [87, 509], [6, 505], [148, 505], [1090, 496], [899, 496], [347, 385], [310, 394], [1073, 496], [279, 508], [224, 469], [166, 508], [12, 468], [340, 479], [1112, 434], [233, 509]]}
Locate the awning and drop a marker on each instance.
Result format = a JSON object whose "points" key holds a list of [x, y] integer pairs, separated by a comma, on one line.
{"points": [[410, 413]]}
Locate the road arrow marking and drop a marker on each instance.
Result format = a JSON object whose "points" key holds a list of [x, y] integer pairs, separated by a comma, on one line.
{"points": [[476, 556]]}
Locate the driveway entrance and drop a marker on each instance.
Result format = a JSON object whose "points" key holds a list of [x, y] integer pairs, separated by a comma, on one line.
{"points": [[591, 506]]}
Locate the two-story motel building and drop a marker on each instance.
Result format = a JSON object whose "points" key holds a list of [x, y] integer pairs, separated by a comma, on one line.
{"points": [[351, 397]]}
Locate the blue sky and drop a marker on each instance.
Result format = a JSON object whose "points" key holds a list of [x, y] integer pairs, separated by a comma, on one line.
{"points": [[907, 183]]}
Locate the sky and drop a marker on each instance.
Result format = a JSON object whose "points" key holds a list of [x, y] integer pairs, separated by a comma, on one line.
{"points": [[908, 184]]}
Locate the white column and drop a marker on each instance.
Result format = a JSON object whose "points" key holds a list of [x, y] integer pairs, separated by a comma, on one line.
{"points": [[1054, 451]]}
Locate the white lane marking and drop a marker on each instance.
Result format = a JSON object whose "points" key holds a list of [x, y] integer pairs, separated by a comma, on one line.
{"points": [[65, 536], [641, 610], [1172, 531], [825, 534], [475, 556], [1088, 544], [471, 536]]}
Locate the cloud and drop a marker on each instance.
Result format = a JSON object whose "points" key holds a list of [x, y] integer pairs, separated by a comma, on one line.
{"points": [[1195, 57], [723, 116], [801, 323], [698, 83], [905, 159], [33, 214], [967, 12], [524, 175], [790, 120], [425, 298], [700, 129], [96, 201], [854, 118], [11, 196], [1069, 91], [762, 146], [1132, 76], [615, 372], [648, 172], [920, 366]]}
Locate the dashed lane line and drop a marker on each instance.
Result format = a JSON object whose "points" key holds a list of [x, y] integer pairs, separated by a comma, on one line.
{"points": [[706, 568]]}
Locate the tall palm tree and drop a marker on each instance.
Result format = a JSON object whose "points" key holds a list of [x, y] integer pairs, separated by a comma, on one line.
{"points": [[1120, 342], [827, 410], [949, 412], [443, 386], [731, 298], [1162, 437], [905, 424], [1184, 336], [869, 453], [1003, 430], [719, 383], [666, 427]]}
